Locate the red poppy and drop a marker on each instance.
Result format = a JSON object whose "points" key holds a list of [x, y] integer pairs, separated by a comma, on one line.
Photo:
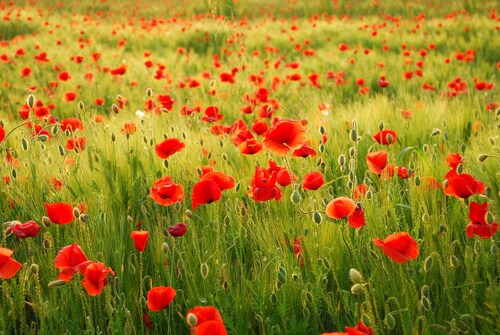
{"points": [[59, 212], [360, 191], [250, 147], [403, 172], [129, 128], [70, 96], [223, 181], [76, 142], [263, 186], [304, 151], [64, 76], [165, 192], [169, 147], [209, 321], [212, 114], [8, 265], [357, 218], [2, 134], [359, 329], [283, 178], [340, 208], [95, 277], [312, 181], [166, 102], [71, 259], [27, 229], [462, 185], [385, 137], [284, 136], [478, 225], [205, 191], [376, 161], [177, 230], [160, 297], [71, 124], [140, 239], [453, 160], [400, 247]]}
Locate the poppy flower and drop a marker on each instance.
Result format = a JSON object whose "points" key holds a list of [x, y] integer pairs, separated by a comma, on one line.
{"points": [[400, 247], [285, 135], [462, 185], [385, 137], [263, 186], [205, 191], [160, 297], [478, 225], [340, 208], [70, 96], [59, 212], [453, 160], [359, 329], [376, 161], [177, 230], [70, 259], [357, 218], [71, 124], [283, 178], [8, 266], [166, 101], [76, 143], [209, 321], [169, 147], [250, 147], [212, 114], [165, 192], [140, 239], [129, 128], [312, 181], [403, 172], [2, 134], [27, 229], [360, 191], [95, 278], [304, 151], [223, 181]]}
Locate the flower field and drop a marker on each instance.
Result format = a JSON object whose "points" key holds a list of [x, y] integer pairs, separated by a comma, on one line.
{"points": [[249, 167]]}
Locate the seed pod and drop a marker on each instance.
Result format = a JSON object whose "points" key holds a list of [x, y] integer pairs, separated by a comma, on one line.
{"points": [[76, 212], [418, 181], [24, 143], [352, 151]]}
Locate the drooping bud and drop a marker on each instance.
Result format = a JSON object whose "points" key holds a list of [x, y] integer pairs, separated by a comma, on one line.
{"points": [[355, 276]]}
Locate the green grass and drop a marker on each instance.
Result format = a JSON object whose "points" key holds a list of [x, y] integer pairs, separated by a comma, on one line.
{"points": [[254, 279]]}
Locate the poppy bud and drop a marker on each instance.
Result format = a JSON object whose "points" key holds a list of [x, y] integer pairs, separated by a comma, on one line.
{"points": [[56, 283], [357, 289], [478, 247], [34, 268], [488, 218], [44, 138], [30, 101], [189, 214], [237, 187], [353, 134], [46, 221], [319, 161], [322, 130], [204, 270], [24, 143], [76, 212], [454, 262], [355, 276], [341, 160], [428, 263], [295, 276], [326, 263], [81, 106], [435, 132], [389, 321], [14, 173], [149, 92], [273, 298], [321, 148], [296, 198], [482, 157], [83, 218], [460, 168], [424, 291], [192, 320], [352, 151], [417, 181], [317, 218], [165, 247], [389, 138], [114, 108], [366, 320]]}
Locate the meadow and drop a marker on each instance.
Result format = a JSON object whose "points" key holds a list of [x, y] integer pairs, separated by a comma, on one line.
{"points": [[249, 167]]}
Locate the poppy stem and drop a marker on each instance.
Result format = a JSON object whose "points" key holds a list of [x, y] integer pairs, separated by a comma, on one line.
{"points": [[18, 126], [345, 242]]}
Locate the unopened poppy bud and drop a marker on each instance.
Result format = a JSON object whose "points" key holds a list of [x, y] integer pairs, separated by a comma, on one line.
{"points": [[204, 270], [357, 289], [237, 187], [435, 132], [114, 108], [322, 130], [428, 263], [34, 268], [274, 298], [224, 156], [56, 283], [352, 151], [366, 320], [482, 157], [317, 218], [355, 276], [418, 181], [46, 221], [164, 247], [389, 321], [341, 160], [462, 147], [295, 276], [369, 195], [43, 138], [81, 106], [390, 139], [149, 92], [454, 262], [83, 218], [488, 218], [189, 214], [24, 143], [321, 148], [319, 161], [353, 134], [381, 125], [76, 212], [425, 303], [460, 168], [30, 101], [14, 173], [296, 198], [192, 320]]}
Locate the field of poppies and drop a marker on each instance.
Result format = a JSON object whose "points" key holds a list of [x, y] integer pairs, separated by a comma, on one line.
{"points": [[249, 167]]}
